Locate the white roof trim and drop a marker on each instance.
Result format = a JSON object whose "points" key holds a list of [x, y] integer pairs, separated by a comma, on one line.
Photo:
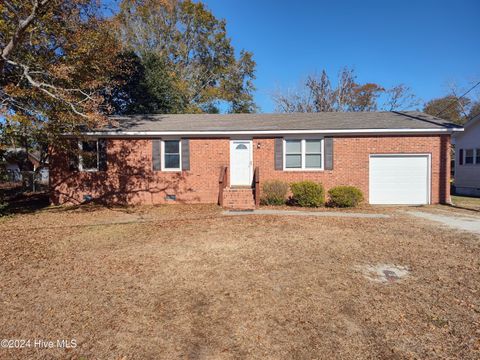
{"points": [[267, 132]]}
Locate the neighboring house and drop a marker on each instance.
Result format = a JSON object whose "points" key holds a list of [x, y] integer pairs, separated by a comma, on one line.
{"points": [[14, 174], [394, 158], [467, 159], [18, 161]]}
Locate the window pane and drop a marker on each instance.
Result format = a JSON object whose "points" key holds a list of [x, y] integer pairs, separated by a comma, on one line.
{"points": [[293, 146], [172, 147], [313, 146], [172, 161], [313, 161], [89, 161], [469, 156], [89, 155], [293, 161], [89, 146], [477, 161]]}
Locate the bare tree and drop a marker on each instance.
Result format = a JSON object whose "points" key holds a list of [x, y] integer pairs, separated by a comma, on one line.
{"points": [[343, 94], [293, 101], [465, 104], [318, 95], [400, 97], [321, 91]]}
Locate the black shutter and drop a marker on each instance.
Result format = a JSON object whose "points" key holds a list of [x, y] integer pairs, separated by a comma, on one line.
{"points": [[102, 154], [460, 157], [73, 153], [185, 154], [156, 155], [328, 153], [278, 153]]}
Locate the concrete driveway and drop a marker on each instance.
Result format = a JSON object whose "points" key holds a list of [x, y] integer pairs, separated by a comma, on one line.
{"points": [[470, 223]]}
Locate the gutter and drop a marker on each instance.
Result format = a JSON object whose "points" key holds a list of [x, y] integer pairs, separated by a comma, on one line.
{"points": [[212, 133]]}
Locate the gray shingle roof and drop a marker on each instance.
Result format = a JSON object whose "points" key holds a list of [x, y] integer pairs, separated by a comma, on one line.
{"points": [[272, 122]]}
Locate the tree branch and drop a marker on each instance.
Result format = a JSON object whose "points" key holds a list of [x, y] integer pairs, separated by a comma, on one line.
{"points": [[21, 29], [44, 86], [12, 8]]}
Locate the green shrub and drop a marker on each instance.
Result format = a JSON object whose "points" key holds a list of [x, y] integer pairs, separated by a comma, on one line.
{"points": [[274, 192], [344, 196], [307, 194]]}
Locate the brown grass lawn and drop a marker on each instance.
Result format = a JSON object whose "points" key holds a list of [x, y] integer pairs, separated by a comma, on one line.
{"points": [[186, 282]]}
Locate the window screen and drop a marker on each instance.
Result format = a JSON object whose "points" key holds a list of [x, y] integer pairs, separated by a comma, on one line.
{"points": [[293, 154], [172, 154]]}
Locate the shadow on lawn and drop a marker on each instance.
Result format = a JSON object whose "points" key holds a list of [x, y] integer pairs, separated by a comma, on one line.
{"points": [[463, 208], [25, 203], [459, 199]]}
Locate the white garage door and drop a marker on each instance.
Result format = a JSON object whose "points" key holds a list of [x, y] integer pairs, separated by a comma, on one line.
{"points": [[399, 179]]}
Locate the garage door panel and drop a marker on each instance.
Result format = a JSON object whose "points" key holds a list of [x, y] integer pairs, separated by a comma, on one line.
{"points": [[399, 179]]}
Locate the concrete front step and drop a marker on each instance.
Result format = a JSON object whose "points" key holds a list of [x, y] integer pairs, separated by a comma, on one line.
{"points": [[238, 199]]}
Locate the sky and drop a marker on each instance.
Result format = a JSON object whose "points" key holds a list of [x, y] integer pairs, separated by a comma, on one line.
{"points": [[423, 44]]}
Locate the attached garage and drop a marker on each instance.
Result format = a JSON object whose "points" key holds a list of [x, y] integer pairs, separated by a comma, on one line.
{"points": [[399, 179]]}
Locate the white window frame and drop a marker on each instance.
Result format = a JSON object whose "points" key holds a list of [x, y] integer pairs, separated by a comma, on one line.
{"points": [[162, 151], [474, 153], [80, 158], [303, 153]]}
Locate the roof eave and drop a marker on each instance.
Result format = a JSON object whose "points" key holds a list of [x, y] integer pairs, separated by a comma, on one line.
{"points": [[223, 133]]}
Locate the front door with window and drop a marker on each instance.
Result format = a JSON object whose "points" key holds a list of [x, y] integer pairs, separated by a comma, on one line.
{"points": [[241, 162]]}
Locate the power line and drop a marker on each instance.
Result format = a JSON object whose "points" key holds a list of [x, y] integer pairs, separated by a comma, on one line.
{"points": [[474, 116], [458, 98]]}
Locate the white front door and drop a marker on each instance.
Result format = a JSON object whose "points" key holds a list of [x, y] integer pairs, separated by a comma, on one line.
{"points": [[241, 162], [399, 179]]}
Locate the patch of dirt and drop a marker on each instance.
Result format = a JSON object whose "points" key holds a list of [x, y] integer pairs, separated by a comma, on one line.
{"points": [[186, 282], [383, 273]]}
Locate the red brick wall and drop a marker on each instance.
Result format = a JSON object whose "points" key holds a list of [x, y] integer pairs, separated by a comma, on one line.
{"points": [[130, 179], [351, 161]]}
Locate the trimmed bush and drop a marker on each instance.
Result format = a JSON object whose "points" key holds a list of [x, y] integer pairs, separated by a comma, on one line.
{"points": [[344, 196], [274, 192], [307, 194]]}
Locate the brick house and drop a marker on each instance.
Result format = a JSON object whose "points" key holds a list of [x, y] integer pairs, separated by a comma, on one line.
{"points": [[393, 157]]}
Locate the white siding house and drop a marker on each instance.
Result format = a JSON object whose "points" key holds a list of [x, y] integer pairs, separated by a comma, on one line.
{"points": [[467, 159]]}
